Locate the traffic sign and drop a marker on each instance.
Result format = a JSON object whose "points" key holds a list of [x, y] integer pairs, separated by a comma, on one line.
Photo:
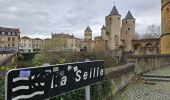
{"points": [[49, 81]]}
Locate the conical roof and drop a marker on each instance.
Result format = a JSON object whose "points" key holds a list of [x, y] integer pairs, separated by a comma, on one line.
{"points": [[88, 29], [103, 27], [114, 11], [129, 16]]}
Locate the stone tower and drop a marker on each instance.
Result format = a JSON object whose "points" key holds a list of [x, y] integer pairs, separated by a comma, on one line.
{"points": [[103, 33], [128, 31], [113, 22], [165, 27], [88, 33]]}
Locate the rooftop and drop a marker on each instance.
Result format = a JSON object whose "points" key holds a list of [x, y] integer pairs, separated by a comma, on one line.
{"points": [[5, 29], [114, 11]]}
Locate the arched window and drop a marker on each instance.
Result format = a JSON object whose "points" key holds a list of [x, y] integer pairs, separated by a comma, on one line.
{"points": [[167, 10]]}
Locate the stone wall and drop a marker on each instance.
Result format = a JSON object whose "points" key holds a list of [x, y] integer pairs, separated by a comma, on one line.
{"points": [[145, 63], [9, 60], [120, 76]]}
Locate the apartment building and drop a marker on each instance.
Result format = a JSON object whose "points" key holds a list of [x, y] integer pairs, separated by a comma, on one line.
{"points": [[25, 44], [9, 39]]}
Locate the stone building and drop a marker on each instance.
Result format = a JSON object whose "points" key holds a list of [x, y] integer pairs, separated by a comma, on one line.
{"points": [[88, 44], [25, 44], [165, 27], [28, 44], [146, 46], [73, 44], [160, 45], [9, 39], [37, 45], [116, 35]]}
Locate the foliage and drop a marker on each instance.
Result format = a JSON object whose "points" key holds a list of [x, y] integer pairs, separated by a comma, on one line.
{"points": [[27, 56], [2, 88], [99, 91], [26, 60], [4, 68], [55, 44]]}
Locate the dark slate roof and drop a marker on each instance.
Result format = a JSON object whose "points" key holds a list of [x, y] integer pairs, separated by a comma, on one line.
{"points": [[88, 29], [103, 27], [129, 16], [5, 29], [25, 37], [114, 11]]}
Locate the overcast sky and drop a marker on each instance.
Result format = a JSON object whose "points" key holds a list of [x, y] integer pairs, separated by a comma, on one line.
{"points": [[39, 18]]}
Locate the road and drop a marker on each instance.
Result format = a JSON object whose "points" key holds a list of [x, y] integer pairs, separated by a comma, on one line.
{"points": [[154, 85]]}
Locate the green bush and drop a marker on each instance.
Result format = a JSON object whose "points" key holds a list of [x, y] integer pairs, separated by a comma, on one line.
{"points": [[2, 88], [99, 91]]}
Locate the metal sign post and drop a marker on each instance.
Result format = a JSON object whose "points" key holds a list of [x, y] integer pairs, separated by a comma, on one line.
{"points": [[87, 88], [87, 91], [40, 83]]}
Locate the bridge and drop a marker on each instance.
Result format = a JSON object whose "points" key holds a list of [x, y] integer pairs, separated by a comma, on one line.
{"points": [[147, 78], [8, 58]]}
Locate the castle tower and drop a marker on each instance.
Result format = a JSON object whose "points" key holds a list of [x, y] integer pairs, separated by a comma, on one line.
{"points": [[103, 33], [113, 22], [128, 31], [88, 33], [165, 27]]}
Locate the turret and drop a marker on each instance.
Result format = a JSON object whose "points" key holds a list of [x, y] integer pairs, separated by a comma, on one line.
{"points": [[128, 31], [165, 27], [113, 21], [88, 33], [103, 32]]}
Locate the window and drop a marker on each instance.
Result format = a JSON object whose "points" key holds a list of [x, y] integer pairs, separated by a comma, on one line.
{"points": [[8, 45], [24, 45], [3, 33], [9, 39], [13, 45], [167, 10], [13, 39], [126, 32], [0, 33], [13, 34], [118, 18], [128, 29], [9, 33], [133, 21], [126, 22]]}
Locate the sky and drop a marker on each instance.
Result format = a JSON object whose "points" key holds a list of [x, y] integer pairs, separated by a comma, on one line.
{"points": [[39, 18]]}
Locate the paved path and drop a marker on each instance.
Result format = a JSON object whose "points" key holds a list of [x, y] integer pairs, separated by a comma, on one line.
{"points": [[149, 90]]}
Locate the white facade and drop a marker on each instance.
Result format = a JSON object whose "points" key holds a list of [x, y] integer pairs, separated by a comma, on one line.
{"points": [[25, 44]]}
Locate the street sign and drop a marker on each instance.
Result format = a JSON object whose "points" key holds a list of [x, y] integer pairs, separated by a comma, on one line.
{"points": [[49, 81]]}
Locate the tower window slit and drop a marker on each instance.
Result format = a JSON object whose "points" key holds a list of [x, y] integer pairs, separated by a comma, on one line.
{"points": [[167, 10]]}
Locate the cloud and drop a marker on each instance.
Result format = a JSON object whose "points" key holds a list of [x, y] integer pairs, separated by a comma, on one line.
{"points": [[41, 17]]}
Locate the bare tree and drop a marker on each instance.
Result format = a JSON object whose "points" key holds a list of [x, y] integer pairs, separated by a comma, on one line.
{"points": [[137, 36], [153, 31]]}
